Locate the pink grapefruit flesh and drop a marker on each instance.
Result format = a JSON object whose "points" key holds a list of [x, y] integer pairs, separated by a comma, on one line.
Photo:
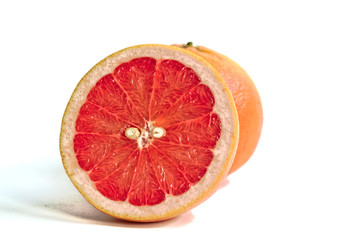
{"points": [[142, 92]]}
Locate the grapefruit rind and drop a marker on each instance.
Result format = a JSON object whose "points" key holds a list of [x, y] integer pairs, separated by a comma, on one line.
{"points": [[224, 152]]}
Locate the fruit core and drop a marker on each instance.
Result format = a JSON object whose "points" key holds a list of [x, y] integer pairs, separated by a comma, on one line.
{"points": [[144, 136]]}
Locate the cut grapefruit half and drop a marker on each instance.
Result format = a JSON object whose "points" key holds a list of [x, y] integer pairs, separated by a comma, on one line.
{"points": [[149, 133]]}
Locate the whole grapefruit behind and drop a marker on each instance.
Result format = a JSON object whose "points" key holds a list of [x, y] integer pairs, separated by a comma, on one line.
{"points": [[246, 97]]}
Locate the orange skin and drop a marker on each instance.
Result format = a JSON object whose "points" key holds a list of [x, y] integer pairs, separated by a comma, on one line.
{"points": [[246, 97]]}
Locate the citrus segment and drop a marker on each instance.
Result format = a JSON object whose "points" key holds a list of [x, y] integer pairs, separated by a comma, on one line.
{"points": [[202, 132], [117, 185], [171, 179], [90, 149], [172, 80], [108, 165], [192, 161], [108, 95], [145, 189], [94, 119], [193, 104], [136, 78]]}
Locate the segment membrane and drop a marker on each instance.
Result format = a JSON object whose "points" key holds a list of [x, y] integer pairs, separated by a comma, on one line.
{"points": [[94, 119]]}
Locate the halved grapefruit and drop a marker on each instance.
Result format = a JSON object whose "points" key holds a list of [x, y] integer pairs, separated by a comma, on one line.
{"points": [[149, 133]]}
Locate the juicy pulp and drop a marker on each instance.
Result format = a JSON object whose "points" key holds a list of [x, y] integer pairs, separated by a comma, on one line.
{"points": [[145, 93]]}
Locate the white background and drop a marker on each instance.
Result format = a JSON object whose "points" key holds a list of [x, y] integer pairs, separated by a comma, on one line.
{"points": [[303, 182]]}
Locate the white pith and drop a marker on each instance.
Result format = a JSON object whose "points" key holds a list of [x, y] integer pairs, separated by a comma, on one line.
{"points": [[173, 204]]}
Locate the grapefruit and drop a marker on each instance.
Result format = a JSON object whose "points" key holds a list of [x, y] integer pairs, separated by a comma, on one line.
{"points": [[246, 97], [149, 133]]}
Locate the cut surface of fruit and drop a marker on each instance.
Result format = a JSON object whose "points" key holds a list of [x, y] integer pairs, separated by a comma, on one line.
{"points": [[149, 133]]}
